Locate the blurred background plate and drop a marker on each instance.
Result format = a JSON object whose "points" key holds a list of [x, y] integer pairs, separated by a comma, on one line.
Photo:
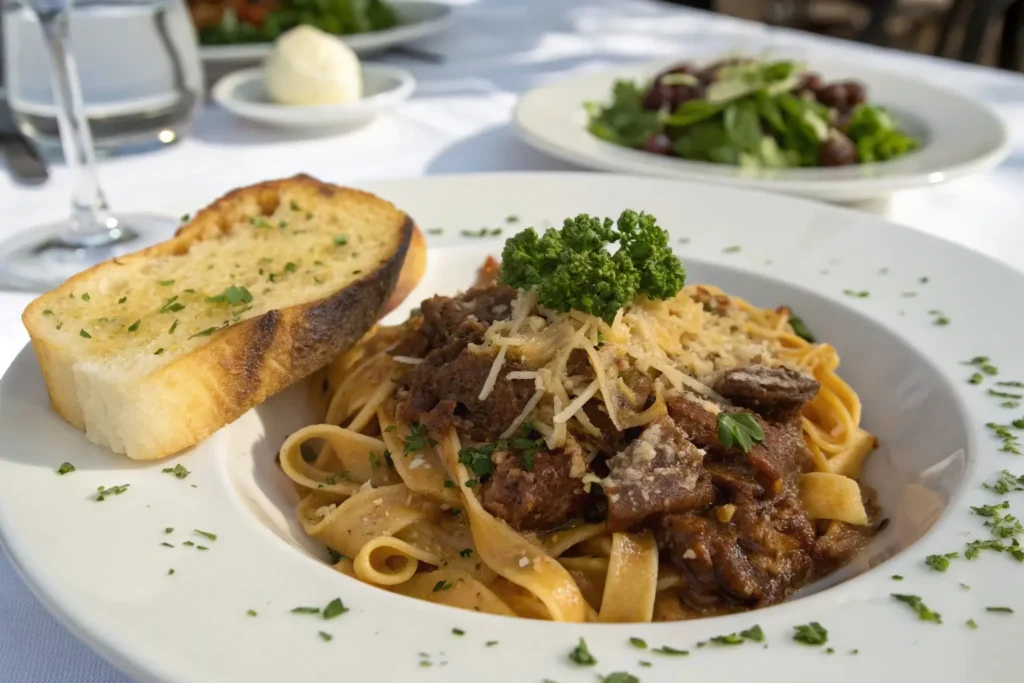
{"points": [[416, 20], [960, 135]]}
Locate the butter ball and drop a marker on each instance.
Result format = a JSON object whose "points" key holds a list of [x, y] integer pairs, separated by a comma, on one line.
{"points": [[309, 66]]}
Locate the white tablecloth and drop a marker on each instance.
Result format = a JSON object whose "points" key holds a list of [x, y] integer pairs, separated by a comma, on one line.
{"points": [[457, 123]]}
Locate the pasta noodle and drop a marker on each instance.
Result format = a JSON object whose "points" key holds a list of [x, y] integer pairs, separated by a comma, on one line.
{"points": [[400, 504]]}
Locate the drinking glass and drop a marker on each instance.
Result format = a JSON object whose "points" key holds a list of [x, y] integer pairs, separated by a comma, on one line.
{"points": [[43, 256]]}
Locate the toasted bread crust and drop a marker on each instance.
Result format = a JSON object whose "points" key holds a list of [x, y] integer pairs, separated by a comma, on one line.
{"points": [[246, 363]]}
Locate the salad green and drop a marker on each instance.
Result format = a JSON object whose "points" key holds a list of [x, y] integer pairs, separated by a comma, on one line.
{"points": [[340, 17], [760, 114]]}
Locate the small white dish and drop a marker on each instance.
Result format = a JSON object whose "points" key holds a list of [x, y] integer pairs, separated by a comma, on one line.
{"points": [[104, 571], [960, 136], [244, 94], [416, 20]]}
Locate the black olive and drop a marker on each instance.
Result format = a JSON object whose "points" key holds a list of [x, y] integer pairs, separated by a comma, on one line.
{"points": [[837, 150], [657, 96], [856, 93], [833, 96]]}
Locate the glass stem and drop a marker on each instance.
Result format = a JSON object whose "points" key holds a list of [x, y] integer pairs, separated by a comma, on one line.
{"points": [[89, 211]]}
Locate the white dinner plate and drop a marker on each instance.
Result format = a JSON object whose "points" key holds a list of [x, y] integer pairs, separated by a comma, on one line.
{"points": [[959, 136], [416, 20], [244, 94], [102, 569]]}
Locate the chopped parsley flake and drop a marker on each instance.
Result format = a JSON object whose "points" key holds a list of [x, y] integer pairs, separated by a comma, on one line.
{"points": [[335, 608], [259, 222], [897, 577], [638, 643], [65, 468], [620, 677], [923, 612], [458, 632], [466, 552], [976, 378], [85, 297], [209, 330], [324, 636], [669, 650], [739, 430], [47, 312], [811, 634], [232, 296], [731, 250], [251, 613], [188, 543], [158, 351], [102, 492], [174, 326], [644, 663], [1007, 483], [83, 333], [581, 655], [122, 300], [940, 563], [290, 267], [1011, 443], [418, 438], [1003, 394], [435, 231], [971, 623], [340, 240], [169, 530], [982, 362], [754, 634], [206, 534], [166, 283], [178, 471], [999, 610], [731, 639], [862, 294], [482, 232], [305, 610], [490, 643], [170, 572], [441, 586], [923, 280], [166, 544], [185, 217]]}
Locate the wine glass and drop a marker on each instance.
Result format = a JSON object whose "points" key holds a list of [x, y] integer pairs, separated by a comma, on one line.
{"points": [[43, 256]]}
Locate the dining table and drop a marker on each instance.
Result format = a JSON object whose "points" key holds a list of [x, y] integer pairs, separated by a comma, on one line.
{"points": [[460, 121]]}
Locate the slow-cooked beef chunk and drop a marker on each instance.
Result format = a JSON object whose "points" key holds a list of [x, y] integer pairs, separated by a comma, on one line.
{"points": [[543, 498], [783, 451], [658, 472], [756, 558], [446, 317], [776, 393], [700, 424], [735, 481], [640, 386], [452, 388]]}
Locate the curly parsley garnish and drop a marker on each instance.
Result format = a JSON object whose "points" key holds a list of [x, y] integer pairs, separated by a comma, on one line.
{"points": [[739, 430], [572, 269], [923, 612]]}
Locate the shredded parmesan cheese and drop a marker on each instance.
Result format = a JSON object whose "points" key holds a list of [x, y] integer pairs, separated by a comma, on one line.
{"points": [[408, 360], [577, 403]]}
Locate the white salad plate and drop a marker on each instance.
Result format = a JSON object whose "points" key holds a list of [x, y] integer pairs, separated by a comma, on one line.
{"points": [[244, 94], [417, 20], [101, 568], [959, 136]]}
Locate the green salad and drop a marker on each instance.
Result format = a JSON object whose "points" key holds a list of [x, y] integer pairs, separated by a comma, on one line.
{"points": [[263, 21], [757, 114]]}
